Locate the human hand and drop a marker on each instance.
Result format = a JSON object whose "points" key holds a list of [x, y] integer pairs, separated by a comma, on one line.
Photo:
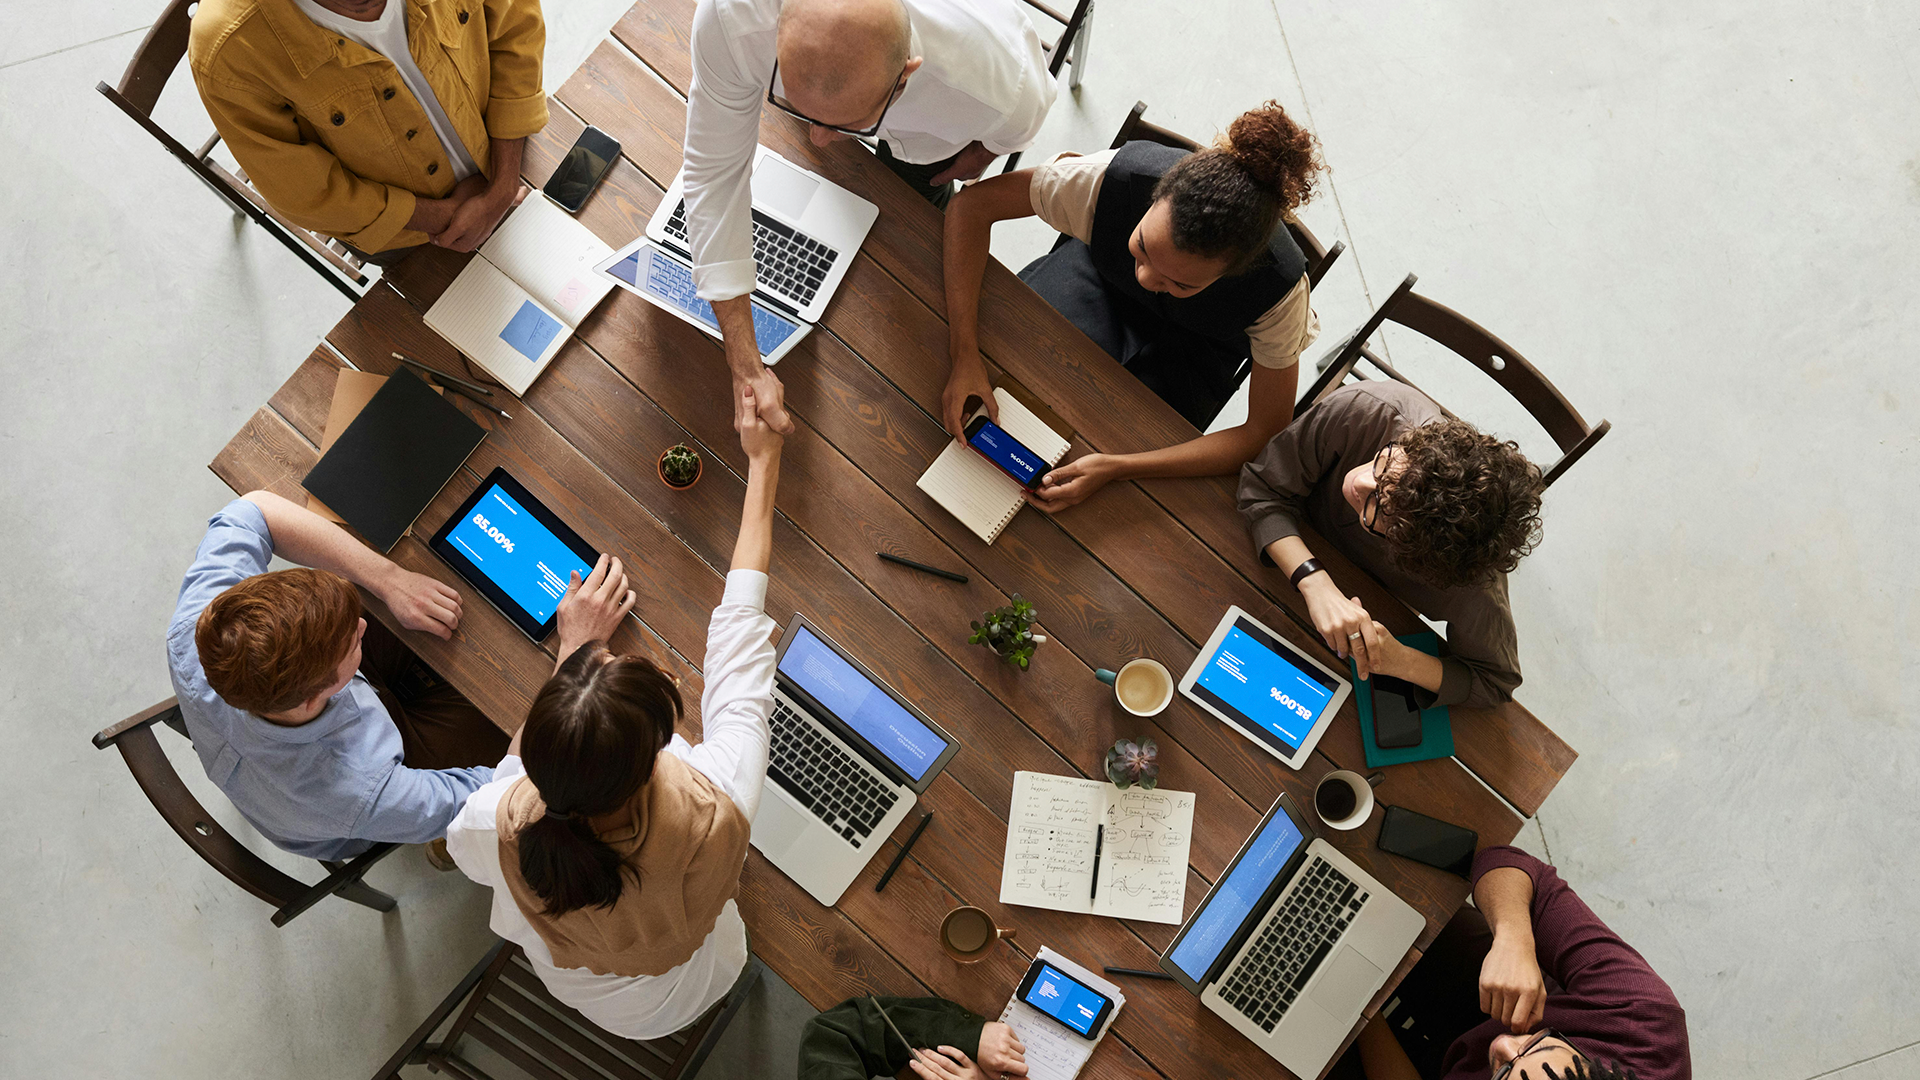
{"points": [[949, 1064], [1072, 483], [592, 609], [967, 164], [473, 219], [1511, 989], [420, 602], [1342, 621], [768, 401], [1385, 653], [758, 438], [1001, 1052], [968, 379]]}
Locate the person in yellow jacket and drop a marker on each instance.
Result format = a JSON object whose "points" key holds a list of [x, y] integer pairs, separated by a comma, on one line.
{"points": [[382, 123]]}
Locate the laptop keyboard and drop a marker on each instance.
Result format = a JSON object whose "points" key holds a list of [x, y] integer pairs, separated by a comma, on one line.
{"points": [[826, 779], [1291, 947], [788, 262]]}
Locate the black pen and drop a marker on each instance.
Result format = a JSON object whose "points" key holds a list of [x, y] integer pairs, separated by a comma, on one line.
{"points": [[471, 396], [1099, 837], [904, 848], [1140, 972], [452, 379], [924, 568]]}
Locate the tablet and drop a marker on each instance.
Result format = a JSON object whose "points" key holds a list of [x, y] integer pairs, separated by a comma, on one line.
{"points": [[515, 551], [1273, 693]]}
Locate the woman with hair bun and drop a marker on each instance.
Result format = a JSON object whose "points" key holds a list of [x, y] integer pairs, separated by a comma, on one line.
{"points": [[612, 845], [1178, 264]]}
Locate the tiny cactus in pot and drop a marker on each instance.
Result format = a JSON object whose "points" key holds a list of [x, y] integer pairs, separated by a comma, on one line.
{"points": [[1130, 763], [1008, 631], [679, 466]]}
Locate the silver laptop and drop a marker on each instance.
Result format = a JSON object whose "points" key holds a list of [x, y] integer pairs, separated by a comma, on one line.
{"points": [[1292, 942], [849, 758]]}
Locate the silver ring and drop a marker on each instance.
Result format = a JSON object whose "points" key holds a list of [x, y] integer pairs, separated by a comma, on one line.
{"points": [[1355, 636]]}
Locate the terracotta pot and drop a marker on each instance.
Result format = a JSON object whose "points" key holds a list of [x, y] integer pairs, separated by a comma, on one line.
{"points": [[660, 466]]}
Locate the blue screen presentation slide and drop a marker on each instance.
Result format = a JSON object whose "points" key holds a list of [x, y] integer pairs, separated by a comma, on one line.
{"points": [[530, 330], [859, 704], [1060, 997], [1003, 448], [1264, 686], [1233, 901], [517, 553]]}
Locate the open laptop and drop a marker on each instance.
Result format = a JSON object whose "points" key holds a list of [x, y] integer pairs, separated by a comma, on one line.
{"points": [[806, 230], [849, 758], [1292, 942]]}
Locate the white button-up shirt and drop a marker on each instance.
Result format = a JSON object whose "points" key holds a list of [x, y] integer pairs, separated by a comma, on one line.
{"points": [[732, 753], [984, 78]]}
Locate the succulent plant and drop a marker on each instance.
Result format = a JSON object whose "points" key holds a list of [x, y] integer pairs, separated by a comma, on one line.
{"points": [[1008, 631], [680, 465], [1130, 763]]}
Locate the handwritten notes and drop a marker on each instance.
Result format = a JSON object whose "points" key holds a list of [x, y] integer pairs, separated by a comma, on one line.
{"points": [[1051, 834], [1053, 1052]]}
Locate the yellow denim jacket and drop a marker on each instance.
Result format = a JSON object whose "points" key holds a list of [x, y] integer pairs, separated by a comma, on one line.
{"points": [[328, 132]]}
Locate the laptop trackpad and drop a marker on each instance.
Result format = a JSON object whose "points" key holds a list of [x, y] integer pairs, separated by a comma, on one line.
{"points": [[783, 189], [1347, 982]]}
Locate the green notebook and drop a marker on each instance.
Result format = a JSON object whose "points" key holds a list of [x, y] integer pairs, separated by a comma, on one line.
{"points": [[1436, 731]]}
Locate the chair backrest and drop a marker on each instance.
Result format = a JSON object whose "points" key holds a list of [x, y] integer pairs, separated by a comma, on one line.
{"points": [[1136, 126], [1498, 360], [158, 55], [1070, 28]]}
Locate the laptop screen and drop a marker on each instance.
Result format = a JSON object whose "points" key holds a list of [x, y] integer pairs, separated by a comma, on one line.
{"points": [[813, 666], [1227, 908]]}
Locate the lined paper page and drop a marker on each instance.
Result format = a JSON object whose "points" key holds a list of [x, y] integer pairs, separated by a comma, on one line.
{"points": [[477, 308], [971, 489], [552, 256], [1053, 1052], [1049, 859]]}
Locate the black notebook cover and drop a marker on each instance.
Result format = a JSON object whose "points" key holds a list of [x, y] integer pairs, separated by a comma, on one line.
{"points": [[393, 459]]}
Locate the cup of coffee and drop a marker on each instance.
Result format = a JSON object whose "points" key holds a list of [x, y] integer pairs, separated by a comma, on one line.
{"points": [[1143, 687], [968, 932], [1344, 799]]}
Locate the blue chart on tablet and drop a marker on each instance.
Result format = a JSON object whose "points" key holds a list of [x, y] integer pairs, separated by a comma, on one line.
{"points": [[517, 553], [1259, 683]]}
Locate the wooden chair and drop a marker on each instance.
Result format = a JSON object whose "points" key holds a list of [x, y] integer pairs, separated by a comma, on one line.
{"points": [[509, 1011], [1552, 411], [137, 93], [155, 774], [1069, 47]]}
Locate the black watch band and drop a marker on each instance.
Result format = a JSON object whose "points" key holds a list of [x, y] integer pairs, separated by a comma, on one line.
{"points": [[1311, 566]]}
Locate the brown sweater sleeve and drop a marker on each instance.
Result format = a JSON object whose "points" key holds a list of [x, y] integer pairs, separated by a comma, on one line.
{"points": [[1343, 429]]}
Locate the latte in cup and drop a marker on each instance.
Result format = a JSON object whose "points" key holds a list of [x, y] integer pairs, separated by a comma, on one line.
{"points": [[1141, 687]]}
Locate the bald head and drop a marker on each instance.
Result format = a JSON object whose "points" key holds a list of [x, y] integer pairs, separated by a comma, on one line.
{"points": [[839, 57]]}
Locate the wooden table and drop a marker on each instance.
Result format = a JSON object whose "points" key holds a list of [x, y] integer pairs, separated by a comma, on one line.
{"points": [[1141, 569]]}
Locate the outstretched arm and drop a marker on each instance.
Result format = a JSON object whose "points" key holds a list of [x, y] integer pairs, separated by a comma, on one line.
{"points": [[304, 537], [762, 442], [969, 228]]}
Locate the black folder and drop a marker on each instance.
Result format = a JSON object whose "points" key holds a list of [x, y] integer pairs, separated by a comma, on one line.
{"points": [[393, 459]]}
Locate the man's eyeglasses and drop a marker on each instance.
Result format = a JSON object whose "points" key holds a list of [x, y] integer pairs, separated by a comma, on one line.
{"points": [[1532, 1045], [786, 106], [1370, 510]]}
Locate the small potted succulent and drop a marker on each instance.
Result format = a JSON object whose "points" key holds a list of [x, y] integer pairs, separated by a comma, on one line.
{"points": [[679, 466], [1008, 631], [1130, 763]]}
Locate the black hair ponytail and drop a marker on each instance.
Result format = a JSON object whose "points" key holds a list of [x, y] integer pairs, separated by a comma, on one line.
{"points": [[1225, 201]]}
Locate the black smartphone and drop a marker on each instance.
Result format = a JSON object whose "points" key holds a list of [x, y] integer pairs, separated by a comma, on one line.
{"points": [[1008, 454], [585, 165], [1428, 840], [1396, 712], [1078, 1007]]}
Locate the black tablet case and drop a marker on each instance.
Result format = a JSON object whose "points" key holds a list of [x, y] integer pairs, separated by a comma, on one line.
{"points": [[393, 459]]}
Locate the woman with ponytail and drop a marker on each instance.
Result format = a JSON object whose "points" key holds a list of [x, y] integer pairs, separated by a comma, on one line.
{"points": [[1178, 264], [612, 845]]}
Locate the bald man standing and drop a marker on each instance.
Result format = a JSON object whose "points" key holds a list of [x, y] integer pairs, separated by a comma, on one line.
{"points": [[945, 85]]}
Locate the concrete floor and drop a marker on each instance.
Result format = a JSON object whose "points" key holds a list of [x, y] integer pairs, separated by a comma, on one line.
{"points": [[1698, 218]]}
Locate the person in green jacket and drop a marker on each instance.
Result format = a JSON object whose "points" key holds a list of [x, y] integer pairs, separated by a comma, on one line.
{"points": [[852, 1041]]}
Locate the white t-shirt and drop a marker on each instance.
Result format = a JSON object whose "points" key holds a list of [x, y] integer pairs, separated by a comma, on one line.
{"points": [[387, 35], [732, 753]]}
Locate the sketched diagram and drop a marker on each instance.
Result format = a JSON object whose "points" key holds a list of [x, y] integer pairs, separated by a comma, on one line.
{"points": [[1143, 843]]}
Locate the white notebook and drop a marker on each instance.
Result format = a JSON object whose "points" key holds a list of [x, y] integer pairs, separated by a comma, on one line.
{"points": [[972, 489], [1053, 1052], [1084, 845], [520, 299]]}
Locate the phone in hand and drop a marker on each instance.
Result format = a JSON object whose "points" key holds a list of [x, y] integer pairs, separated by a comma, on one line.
{"points": [[1428, 840], [1076, 1006], [1008, 454], [1396, 712], [585, 165]]}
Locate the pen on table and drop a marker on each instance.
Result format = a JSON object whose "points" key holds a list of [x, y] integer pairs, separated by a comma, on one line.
{"points": [[1099, 838], [473, 397], [896, 1028], [452, 380], [924, 568], [1140, 972], [904, 848]]}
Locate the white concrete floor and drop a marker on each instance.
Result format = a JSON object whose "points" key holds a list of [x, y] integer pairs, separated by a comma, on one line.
{"points": [[1698, 219]]}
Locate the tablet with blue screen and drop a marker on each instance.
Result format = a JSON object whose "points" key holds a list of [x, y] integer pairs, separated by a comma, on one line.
{"points": [[1269, 691], [515, 551]]}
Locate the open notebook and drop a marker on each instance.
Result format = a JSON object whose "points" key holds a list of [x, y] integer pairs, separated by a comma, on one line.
{"points": [[520, 299], [981, 496], [1054, 1053]]}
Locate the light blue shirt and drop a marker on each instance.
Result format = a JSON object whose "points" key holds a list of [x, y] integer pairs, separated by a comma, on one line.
{"points": [[329, 788]]}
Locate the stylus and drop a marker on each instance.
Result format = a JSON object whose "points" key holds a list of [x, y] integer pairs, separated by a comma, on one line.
{"points": [[924, 568], [451, 379], [475, 398], [1140, 972], [904, 848], [896, 1027]]}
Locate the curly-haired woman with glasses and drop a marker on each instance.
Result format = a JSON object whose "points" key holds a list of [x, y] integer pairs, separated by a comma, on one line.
{"points": [[1436, 510]]}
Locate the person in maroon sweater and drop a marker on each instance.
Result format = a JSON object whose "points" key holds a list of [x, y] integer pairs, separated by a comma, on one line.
{"points": [[1529, 981]]}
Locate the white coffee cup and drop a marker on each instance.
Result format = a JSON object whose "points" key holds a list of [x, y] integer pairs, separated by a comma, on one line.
{"points": [[1127, 682], [1359, 788]]}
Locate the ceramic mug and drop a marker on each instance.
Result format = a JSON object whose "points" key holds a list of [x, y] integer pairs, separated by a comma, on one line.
{"points": [[1143, 687], [1344, 800], [968, 932]]}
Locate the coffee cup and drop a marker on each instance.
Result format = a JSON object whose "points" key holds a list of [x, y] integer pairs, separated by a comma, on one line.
{"points": [[968, 932], [1344, 800], [1143, 687]]}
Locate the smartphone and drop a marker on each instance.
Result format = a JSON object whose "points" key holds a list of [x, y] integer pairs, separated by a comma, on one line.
{"points": [[585, 165], [1078, 1007], [1396, 712], [1428, 840], [1007, 453]]}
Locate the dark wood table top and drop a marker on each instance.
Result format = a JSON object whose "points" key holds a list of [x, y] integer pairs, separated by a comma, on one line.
{"points": [[1142, 569]]}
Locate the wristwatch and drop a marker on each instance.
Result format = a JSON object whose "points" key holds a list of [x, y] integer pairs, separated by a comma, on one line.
{"points": [[1311, 566]]}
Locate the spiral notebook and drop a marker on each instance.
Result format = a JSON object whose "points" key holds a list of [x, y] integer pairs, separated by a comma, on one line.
{"points": [[972, 489], [1053, 1053]]}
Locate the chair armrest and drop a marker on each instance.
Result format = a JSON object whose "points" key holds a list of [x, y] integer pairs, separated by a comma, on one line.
{"points": [[140, 719]]}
